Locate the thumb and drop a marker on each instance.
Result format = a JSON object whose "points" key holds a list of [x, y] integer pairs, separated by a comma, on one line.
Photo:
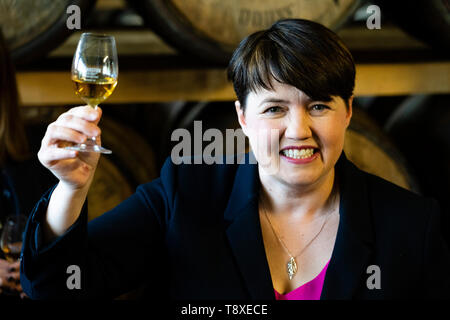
{"points": [[99, 116]]}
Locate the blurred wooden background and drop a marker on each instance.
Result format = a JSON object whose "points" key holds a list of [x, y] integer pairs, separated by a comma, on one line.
{"points": [[389, 62]]}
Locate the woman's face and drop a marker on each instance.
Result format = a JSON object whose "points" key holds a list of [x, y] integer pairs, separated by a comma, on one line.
{"points": [[298, 121]]}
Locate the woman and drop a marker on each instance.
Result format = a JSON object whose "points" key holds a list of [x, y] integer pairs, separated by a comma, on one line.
{"points": [[22, 180], [298, 225]]}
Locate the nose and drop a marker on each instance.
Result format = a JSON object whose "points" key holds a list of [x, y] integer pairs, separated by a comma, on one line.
{"points": [[298, 126]]}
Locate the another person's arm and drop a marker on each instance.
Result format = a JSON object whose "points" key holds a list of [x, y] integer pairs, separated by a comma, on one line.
{"points": [[9, 275]]}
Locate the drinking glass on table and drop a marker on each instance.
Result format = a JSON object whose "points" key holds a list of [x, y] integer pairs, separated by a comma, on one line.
{"points": [[95, 72], [11, 245], [11, 238]]}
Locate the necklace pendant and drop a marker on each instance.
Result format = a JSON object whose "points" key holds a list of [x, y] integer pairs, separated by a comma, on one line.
{"points": [[291, 268]]}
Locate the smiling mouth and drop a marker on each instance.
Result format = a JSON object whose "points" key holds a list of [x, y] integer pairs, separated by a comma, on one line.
{"points": [[299, 154]]}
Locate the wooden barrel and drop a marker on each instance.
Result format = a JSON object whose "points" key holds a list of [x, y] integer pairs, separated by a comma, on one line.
{"points": [[117, 175], [34, 28], [365, 143], [211, 29], [423, 123], [371, 150], [426, 20]]}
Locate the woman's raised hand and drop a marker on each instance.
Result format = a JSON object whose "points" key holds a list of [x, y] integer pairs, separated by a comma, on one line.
{"points": [[74, 169]]}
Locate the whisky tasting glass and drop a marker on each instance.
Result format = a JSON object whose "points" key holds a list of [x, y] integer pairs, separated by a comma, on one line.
{"points": [[95, 71]]}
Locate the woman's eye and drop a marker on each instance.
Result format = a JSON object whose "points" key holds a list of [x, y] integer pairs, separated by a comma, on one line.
{"points": [[319, 107], [272, 110]]}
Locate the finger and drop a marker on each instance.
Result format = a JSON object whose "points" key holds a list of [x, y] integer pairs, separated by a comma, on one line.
{"points": [[79, 124], [87, 113], [6, 283], [12, 283], [50, 155], [3, 263], [15, 265], [57, 133], [13, 276]]}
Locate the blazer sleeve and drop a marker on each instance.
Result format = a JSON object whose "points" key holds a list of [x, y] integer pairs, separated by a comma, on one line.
{"points": [[436, 258], [114, 253]]}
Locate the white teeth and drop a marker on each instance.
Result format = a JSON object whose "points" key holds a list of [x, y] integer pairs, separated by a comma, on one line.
{"points": [[298, 154]]}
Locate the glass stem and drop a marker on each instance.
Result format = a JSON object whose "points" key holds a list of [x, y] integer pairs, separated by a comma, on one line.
{"points": [[94, 138]]}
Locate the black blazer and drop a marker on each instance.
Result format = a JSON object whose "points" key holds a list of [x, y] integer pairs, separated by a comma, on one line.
{"points": [[194, 233]]}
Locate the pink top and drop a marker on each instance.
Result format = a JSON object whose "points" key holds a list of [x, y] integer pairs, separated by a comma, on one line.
{"points": [[308, 291]]}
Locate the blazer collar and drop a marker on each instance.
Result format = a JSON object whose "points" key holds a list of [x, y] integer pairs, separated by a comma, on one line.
{"points": [[353, 241], [244, 231], [355, 236]]}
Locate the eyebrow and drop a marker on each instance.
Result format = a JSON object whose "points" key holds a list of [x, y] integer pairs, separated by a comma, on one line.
{"points": [[273, 100]]}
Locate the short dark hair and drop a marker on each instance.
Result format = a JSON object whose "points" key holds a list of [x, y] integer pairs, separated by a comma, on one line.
{"points": [[298, 52]]}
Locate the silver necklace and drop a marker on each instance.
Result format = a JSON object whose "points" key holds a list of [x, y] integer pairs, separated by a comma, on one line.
{"points": [[292, 263]]}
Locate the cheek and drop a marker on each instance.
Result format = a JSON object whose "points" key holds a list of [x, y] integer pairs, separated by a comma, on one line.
{"points": [[264, 136], [332, 138]]}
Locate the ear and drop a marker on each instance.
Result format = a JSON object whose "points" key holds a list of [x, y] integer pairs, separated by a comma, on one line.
{"points": [[349, 112], [241, 116]]}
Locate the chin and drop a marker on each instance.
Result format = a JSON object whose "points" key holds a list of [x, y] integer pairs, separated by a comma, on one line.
{"points": [[299, 180]]}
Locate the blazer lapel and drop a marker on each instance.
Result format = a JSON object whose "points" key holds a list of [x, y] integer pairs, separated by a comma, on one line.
{"points": [[354, 238], [244, 232]]}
